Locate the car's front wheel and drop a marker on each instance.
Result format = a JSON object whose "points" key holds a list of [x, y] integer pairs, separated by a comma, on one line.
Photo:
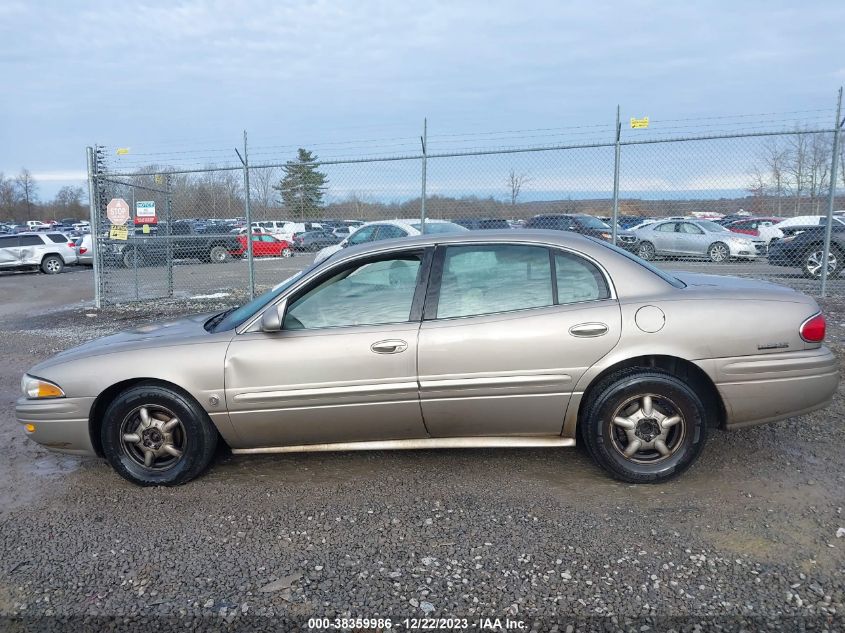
{"points": [[287, 252], [156, 436], [218, 254], [644, 425], [719, 252], [812, 266]]}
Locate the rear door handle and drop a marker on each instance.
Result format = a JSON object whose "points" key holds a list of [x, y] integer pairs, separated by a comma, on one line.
{"points": [[586, 330], [391, 346]]}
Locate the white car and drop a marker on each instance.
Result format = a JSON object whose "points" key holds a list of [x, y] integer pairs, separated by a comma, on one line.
{"points": [[38, 225], [807, 220], [49, 252], [389, 229], [285, 229]]}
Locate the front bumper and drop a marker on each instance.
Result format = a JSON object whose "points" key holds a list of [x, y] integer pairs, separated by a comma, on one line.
{"points": [[61, 424], [770, 387]]}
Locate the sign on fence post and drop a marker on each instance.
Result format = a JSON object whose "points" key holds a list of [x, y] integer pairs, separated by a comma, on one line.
{"points": [[145, 212], [117, 211]]}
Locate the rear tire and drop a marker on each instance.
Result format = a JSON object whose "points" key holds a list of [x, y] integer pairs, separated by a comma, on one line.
{"points": [[287, 253], [643, 425], [52, 265], [218, 254], [144, 413], [646, 251]]}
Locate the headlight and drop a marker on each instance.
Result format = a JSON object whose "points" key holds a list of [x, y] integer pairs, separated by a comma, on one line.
{"points": [[36, 388]]}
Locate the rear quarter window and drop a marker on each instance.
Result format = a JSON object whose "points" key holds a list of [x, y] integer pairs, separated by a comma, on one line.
{"points": [[58, 238]]}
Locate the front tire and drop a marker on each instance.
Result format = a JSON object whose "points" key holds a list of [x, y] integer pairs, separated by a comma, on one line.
{"points": [[52, 265], [156, 436], [719, 252], [287, 252], [644, 425], [812, 264]]}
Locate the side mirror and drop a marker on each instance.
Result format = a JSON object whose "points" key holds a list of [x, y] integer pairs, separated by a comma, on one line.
{"points": [[271, 320]]}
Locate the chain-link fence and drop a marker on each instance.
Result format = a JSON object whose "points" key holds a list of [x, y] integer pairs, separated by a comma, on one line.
{"points": [[763, 198]]}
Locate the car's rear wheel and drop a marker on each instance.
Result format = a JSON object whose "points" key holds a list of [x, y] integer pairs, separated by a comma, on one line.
{"points": [[52, 265], [155, 436], [218, 254], [719, 252], [644, 425], [646, 250], [812, 266], [287, 252]]}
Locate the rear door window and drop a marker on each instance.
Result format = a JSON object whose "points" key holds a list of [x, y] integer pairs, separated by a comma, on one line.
{"points": [[30, 240]]}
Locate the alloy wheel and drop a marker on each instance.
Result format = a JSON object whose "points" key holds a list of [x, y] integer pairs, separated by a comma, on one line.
{"points": [[153, 437], [813, 264], [647, 429], [719, 252]]}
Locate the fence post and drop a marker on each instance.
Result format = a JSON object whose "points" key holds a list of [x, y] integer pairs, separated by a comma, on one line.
{"points": [[832, 195], [95, 224], [247, 212], [168, 183], [613, 224], [424, 140]]}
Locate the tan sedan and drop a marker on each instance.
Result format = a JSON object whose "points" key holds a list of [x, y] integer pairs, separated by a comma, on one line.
{"points": [[508, 339]]}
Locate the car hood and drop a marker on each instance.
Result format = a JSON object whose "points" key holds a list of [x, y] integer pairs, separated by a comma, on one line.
{"points": [[178, 332]]}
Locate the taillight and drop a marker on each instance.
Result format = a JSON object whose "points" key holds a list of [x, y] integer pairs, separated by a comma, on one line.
{"points": [[82, 250], [813, 329]]}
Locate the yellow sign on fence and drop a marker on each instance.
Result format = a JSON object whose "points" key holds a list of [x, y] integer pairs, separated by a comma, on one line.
{"points": [[119, 232], [639, 123], [122, 151]]}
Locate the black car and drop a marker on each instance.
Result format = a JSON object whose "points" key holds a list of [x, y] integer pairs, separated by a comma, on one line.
{"points": [[314, 240], [476, 224], [805, 250], [585, 225]]}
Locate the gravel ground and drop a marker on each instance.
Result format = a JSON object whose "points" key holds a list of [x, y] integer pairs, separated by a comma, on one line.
{"points": [[745, 540]]}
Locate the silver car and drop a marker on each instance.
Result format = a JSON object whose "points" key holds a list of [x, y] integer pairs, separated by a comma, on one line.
{"points": [[85, 249], [475, 339], [50, 252], [695, 238]]}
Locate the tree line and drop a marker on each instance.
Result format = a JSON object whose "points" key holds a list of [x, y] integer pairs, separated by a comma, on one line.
{"points": [[20, 201]]}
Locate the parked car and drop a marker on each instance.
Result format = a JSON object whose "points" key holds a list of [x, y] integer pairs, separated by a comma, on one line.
{"points": [[800, 223], [498, 339], [805, 250], [37, 225], [85, 250], [285, 229], [695, 238], [49, 252], [316, 240], [763, 228], [585, 225], [387, 230], [263, 245], [482, 224]]}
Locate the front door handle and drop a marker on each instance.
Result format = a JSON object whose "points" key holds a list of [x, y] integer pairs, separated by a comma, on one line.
{"points": [[586, 330], [392, 346]]}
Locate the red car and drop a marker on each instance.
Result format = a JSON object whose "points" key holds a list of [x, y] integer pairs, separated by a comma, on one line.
{"points": [[752, 226], [263, 245]]}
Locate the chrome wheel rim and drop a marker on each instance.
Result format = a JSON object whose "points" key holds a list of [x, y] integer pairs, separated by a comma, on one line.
{"points": [[286, 253], [646, 251], [52, 265], [718, 252], [153, 437], [218, 254], [814, 263], [647, 429]]}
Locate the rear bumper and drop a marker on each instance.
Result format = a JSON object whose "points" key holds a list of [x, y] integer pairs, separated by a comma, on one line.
{"points": [[770, 387], [60, 424]]}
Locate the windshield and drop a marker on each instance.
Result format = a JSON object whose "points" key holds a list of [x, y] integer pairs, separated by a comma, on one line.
{"points": [[590, 222], [240, 314], [712, 227], [439, 227], [669, 279]]}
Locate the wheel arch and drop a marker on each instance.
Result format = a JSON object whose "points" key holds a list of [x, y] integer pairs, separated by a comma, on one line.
{"points": [[52, 254], [102, 401], [681, 368]]}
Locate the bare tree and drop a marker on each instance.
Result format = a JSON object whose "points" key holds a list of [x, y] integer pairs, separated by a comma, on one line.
{"points": [[515, 184], [775, 157], [27, 190], [262, 194], [757, 188], [798, 167], [8, 197]]}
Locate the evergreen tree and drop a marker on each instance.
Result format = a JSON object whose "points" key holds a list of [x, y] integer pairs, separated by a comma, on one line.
{"points": [[302, 185]]}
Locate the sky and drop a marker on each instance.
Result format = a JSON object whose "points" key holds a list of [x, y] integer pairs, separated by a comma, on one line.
{"points": [[179, 81]]}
